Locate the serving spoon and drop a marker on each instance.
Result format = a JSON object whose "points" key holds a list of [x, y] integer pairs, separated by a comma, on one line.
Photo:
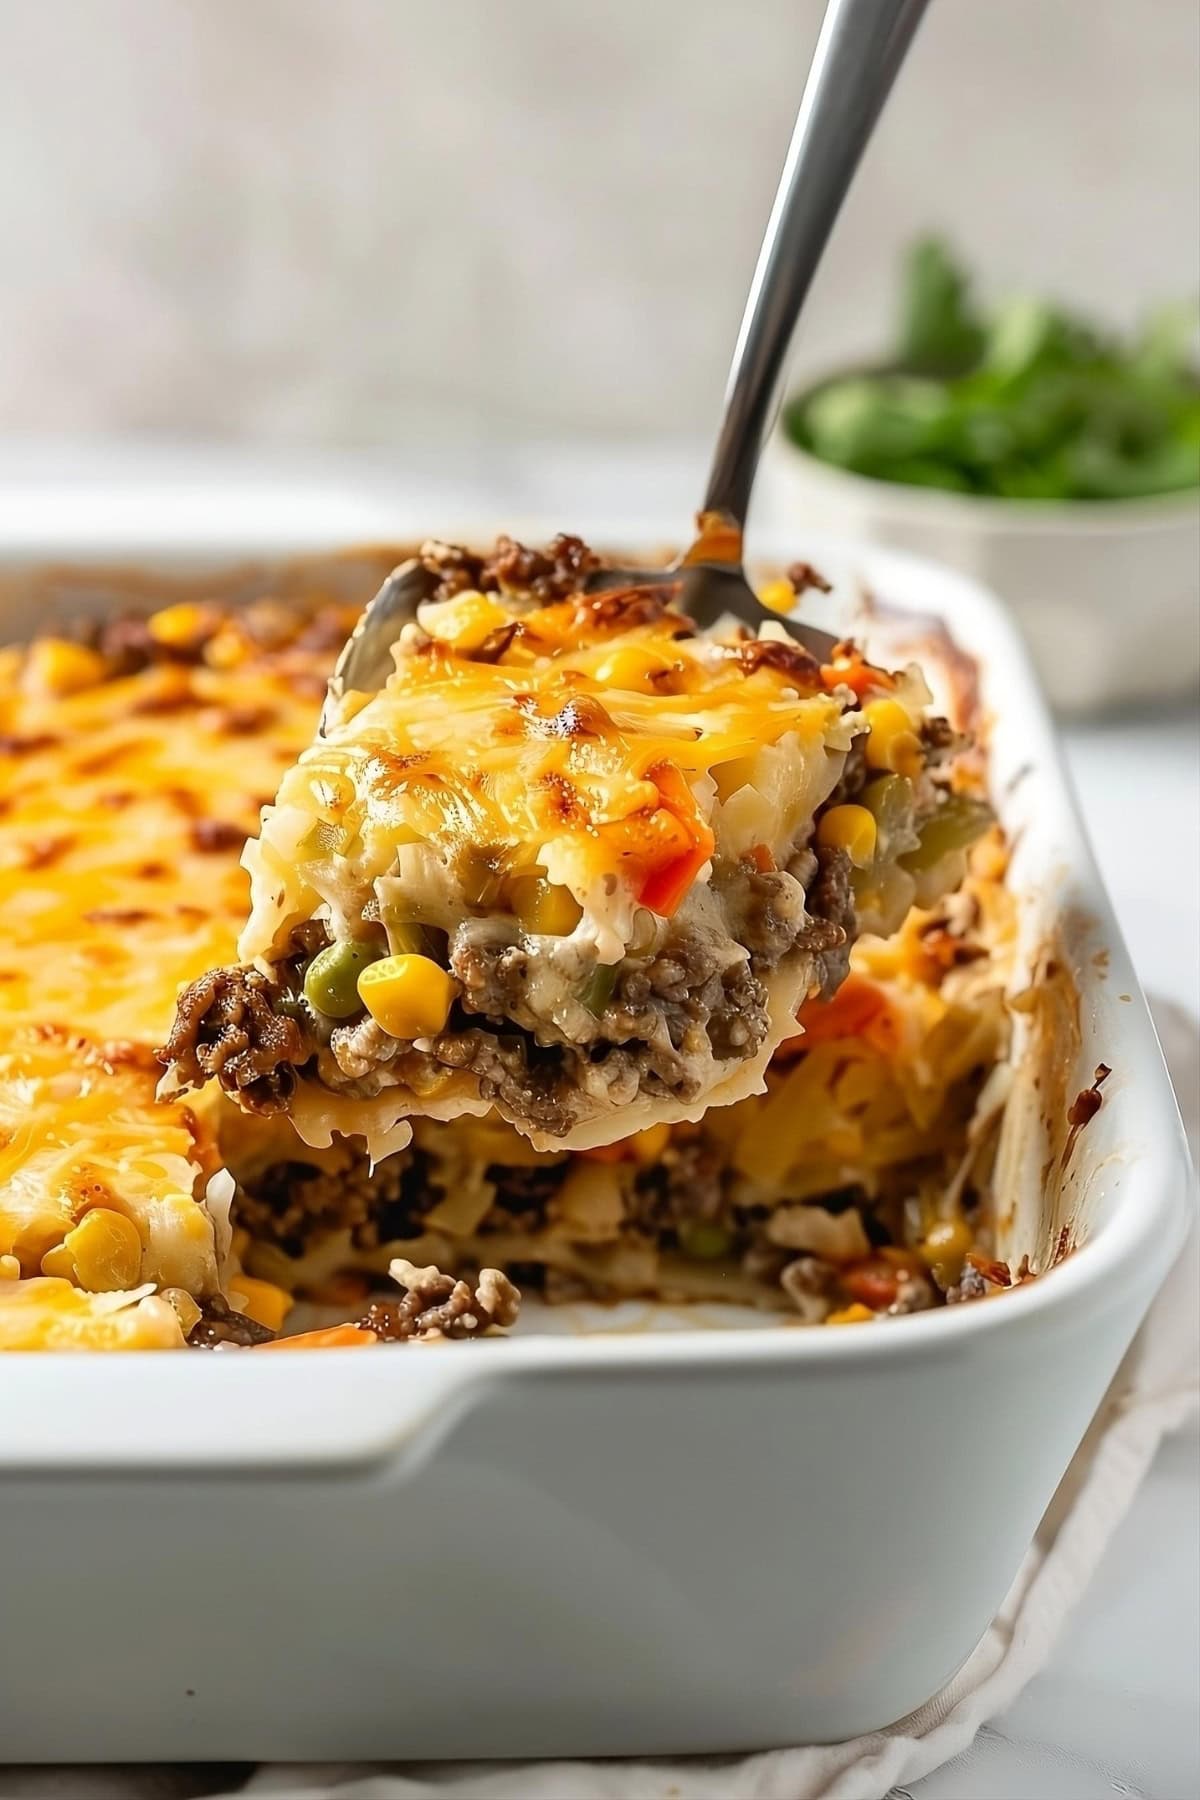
{"points": [[859, 52]]}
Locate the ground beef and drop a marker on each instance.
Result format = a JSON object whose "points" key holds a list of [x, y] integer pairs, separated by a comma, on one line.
{"points": [[767, 913], [525, 1194], [666, 1018], [686, 1184], [526, 1080], [438, 1305], [803, 576], [831, 898], [219, 1324], [939, 740], [296, 1204], [545, 575], [787, 658], [226, 1026]]}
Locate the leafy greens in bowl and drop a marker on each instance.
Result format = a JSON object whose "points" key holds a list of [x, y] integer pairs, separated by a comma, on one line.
{"points": [[1028, 402]]}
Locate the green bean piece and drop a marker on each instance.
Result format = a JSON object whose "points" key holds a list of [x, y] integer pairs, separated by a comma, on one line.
{"points": [[890, 800], [956, 825], [407, 938], [597, 990], [331, 980]]}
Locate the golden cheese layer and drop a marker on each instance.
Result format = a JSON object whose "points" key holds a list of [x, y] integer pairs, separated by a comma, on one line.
{"points": [[130, 774], [560, 740]]}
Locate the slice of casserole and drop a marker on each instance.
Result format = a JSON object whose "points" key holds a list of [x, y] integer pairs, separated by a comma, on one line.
{"points": [[575, 863], [857, 1186]]}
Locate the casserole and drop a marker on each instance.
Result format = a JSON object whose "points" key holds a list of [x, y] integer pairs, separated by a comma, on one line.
{"points": [[611, 1542], [843, 822]]}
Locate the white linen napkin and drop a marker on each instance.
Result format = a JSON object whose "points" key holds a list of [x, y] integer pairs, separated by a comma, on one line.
{"points": [[1155, 1392]]}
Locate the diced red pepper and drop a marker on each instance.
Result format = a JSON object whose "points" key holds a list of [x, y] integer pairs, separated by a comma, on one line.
{"points": [[665, 886]]}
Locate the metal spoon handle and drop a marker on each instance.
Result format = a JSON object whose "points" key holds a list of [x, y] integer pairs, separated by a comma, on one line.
{"points": [[859, 51]]}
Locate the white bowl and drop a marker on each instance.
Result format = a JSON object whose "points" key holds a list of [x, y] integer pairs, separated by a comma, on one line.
{"points": [[1106, 593], [628, 1542]]}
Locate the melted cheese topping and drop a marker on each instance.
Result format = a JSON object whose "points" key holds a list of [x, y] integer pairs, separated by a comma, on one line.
{"points": [[600, 764], [124, 800], [124, 808]]}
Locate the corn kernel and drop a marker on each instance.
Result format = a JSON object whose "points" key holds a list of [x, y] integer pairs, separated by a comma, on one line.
{"points": [[56, 666], [103, 1253], [409, 996], [261, 1301], [226, 648], [464, 621], [778, 596], [631, 668], [544, 907], [180, 627], [648, 1145], [849, 828], [858, 1314], [892, 743]]}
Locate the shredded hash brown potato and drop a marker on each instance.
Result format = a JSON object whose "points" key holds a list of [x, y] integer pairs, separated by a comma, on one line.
{"points": [[133, 763]]}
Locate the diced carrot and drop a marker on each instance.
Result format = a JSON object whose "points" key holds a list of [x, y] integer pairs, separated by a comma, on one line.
{"points": [[871, 1282], [665, 886], [859, 1009], [329, 1337], [854, 671]]}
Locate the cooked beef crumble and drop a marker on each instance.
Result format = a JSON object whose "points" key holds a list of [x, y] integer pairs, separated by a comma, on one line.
{"points": [[295, 1204], [831, 899], [226, 1026], [554, 574], [219, 1324], [438, 1305]]}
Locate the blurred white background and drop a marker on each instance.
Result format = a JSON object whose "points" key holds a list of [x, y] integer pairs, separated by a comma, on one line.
{"points": [[373, 221]]}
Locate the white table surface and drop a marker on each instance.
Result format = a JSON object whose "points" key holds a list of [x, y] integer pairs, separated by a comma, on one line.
{"points": [[1115, 1712]]}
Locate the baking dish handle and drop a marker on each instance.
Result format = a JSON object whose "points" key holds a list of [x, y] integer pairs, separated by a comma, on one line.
{"points": [[335, 1410]]}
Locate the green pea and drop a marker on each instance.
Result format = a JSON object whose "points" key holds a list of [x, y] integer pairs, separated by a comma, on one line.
{"points": [[704, 1239], [956, 824], [331, 981]]}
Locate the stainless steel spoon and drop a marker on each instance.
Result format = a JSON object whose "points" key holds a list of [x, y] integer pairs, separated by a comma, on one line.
{"points": [[860, 49]]}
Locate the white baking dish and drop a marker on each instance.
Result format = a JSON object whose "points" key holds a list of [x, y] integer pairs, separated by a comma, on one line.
{"points": [[624, 1542]]}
